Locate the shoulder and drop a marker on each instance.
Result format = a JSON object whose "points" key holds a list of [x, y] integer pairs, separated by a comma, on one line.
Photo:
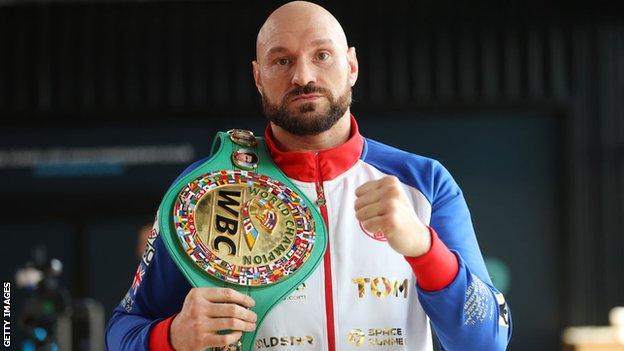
{"points": [[426, 174], [381, 154]]}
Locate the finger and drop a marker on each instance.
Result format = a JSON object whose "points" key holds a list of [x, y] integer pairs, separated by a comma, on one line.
{"points": [[370, 211], [393, 189], [366, 187], [368, 198], [232, 310], [220, 340], [230, 324], [228, 296]]}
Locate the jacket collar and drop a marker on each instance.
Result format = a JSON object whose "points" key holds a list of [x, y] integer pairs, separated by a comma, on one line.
{"points": [[320, 165]]}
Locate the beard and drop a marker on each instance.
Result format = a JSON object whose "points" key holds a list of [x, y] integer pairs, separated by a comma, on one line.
{"points": [[309, 118]]}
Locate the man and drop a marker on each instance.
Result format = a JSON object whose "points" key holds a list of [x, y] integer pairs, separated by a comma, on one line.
{"points": [[401, 252]]}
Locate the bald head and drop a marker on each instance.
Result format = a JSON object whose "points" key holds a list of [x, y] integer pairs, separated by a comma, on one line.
{"points": [[296, 19], [304, 70]]}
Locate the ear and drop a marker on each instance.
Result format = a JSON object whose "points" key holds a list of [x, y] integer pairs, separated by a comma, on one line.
{"points": [[353, 65], [256, 75]]}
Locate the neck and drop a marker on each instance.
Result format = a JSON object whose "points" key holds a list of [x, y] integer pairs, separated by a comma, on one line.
{"points": [[336, 135]]}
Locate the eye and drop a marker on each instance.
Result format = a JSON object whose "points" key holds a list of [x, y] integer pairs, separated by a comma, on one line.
{"points": [[322, 56], [282, 61]]}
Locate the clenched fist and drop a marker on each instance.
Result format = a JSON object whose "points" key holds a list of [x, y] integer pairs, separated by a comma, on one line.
{"points": [[383, 207], [207, 311]]}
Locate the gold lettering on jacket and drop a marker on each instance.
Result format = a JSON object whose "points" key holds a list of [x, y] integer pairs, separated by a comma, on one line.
{"points": [[381, 287], [275, 341], [377, 337]]}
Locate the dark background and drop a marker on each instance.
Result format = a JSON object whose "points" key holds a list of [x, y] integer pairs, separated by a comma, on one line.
{"points": [[522, 100]]}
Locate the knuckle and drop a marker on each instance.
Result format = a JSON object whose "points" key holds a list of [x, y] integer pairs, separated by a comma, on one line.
{"points": [[194, 313], [231, 323], [393, 191], [359, 214], [231, 309], [189, 297], [228, 293], [390, 180], [193, 300], [252, 315], [384, 201], [196, 305]]}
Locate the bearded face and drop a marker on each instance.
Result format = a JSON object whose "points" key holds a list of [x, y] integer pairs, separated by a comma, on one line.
{"points": [[303, 117], [304, 72]]}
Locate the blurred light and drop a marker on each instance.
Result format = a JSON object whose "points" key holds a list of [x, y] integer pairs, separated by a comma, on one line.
{"points": [[28, 346], [501, 277], [28, 278], [40, 334], [56, 266]]}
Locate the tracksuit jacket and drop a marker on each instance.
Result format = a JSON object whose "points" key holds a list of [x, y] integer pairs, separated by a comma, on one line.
{"points": [[364, 295]]}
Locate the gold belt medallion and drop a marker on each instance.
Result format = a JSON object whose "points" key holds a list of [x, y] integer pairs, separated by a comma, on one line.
{"points": [[243, 227]]}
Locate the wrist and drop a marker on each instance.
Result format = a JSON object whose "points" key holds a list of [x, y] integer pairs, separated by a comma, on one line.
{"points": [[422, 242], [172, 332], [437, 268]]}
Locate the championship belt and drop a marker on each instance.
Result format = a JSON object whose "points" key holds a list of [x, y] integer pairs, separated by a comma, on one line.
{"points": [[237, 221]]}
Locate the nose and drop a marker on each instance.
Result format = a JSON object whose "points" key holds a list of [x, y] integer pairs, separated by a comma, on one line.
{"points": [[303, 74]]}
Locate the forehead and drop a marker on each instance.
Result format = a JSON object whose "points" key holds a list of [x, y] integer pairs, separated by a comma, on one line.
{"points": [[297, 42], [297, 36]]}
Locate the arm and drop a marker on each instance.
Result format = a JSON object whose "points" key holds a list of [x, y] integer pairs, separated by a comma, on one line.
{"points": [[161, 312], [157, 293], [454, 288], [466, 311]]}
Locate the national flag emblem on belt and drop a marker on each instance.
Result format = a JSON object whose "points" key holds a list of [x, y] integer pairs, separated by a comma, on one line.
{"points": [[268, 219]]}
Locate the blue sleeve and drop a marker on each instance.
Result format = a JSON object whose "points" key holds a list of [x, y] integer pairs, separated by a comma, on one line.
{"points": [[157, 292], [469, 314]]}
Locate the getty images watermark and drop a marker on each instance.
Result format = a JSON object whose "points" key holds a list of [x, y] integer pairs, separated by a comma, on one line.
{"points": [[6, 314]]}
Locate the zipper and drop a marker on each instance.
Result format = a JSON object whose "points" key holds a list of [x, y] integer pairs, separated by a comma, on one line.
{"points": [[320, 196], [321, 202]]}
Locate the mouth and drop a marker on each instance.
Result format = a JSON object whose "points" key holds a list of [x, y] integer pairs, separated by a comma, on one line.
{"points": [[306, 97]]}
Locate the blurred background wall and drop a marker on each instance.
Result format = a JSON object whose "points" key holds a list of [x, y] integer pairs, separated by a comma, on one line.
{"points": [[103, 103]]}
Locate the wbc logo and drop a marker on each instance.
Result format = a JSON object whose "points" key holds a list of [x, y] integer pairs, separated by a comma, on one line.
{"points": [[243, 227]]}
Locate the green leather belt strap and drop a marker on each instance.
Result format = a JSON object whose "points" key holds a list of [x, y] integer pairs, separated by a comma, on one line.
{"points": [[266, 287]]}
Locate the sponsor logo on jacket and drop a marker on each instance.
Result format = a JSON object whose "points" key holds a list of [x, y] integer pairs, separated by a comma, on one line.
{"points": [[382, 287], [298, 294], [381, 337], [274, 341]]}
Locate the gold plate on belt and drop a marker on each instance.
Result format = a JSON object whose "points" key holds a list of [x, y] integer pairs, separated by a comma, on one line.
{"points": [[243, 227]]}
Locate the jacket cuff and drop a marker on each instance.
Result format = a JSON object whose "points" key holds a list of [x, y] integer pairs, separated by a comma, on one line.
{"points": [[436, 269], [159, 336]]}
